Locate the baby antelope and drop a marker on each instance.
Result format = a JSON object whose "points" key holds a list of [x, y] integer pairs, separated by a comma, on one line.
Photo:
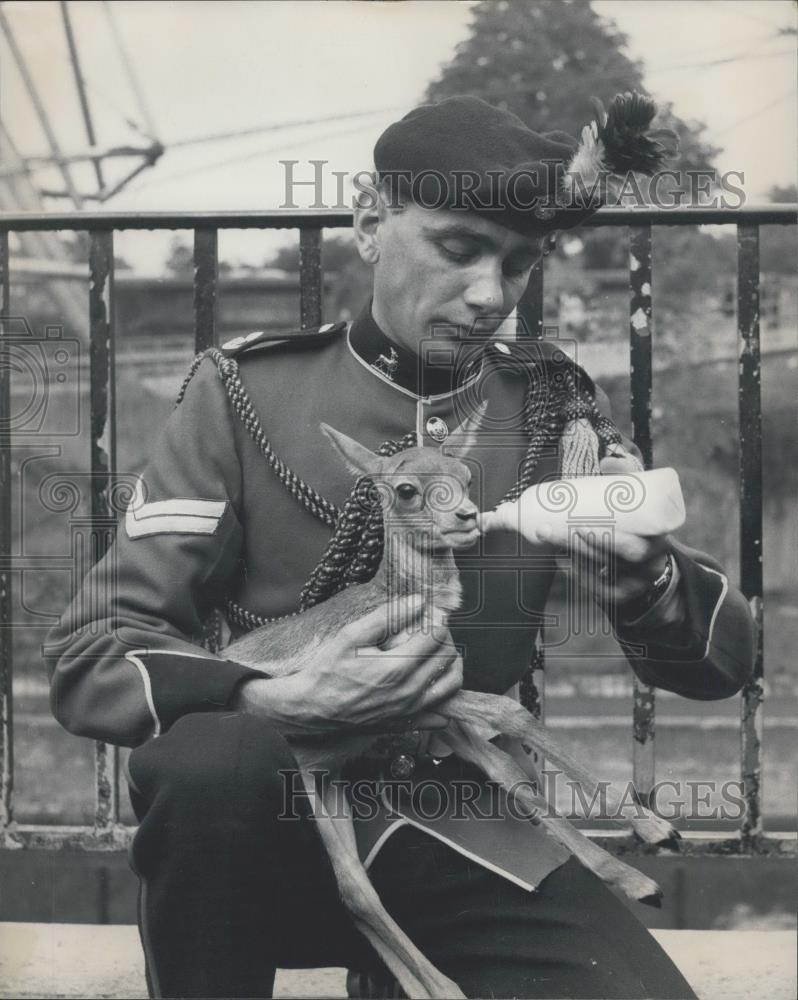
{"points": [[428, 515]]}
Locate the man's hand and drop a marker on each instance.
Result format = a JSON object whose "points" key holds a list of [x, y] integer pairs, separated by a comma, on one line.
{"points": [[627, 565], [349, 682]]}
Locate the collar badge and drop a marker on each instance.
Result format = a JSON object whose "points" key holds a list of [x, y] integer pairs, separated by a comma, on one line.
{"points": [[387, 365]]}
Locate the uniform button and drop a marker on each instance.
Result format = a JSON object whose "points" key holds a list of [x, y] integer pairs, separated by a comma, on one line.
{"points": [[501, 347], [402, 766], [437, 429]]}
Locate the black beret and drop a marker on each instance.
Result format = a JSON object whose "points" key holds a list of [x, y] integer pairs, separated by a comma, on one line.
{"points": [[464, 153]]}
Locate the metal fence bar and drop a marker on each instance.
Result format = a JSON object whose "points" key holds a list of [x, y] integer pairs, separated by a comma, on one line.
{"points": [[762, 215], [6, 636], [206, 277], [107, 834], [532, 689], [311, 286], [750, 410], [103, 467], [530, 305], [640, 366]]}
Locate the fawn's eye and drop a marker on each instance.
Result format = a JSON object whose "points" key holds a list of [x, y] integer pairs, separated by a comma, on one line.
{"points": [[406, 491]]}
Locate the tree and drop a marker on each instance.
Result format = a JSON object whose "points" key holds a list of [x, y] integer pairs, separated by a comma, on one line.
{"points": [[180, 262], [543, 59]]}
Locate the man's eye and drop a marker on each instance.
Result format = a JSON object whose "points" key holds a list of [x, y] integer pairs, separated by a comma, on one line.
{"points": [[406, 491], [456, 250]]}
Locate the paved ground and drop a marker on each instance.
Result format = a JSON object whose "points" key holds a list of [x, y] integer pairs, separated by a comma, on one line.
{"points": [[84, 960]]}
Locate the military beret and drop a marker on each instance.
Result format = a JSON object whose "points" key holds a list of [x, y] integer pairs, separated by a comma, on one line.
{"points": [[463, 153]]}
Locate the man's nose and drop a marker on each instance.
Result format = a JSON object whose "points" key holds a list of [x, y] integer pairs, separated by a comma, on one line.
{"points": [[484, 291]]}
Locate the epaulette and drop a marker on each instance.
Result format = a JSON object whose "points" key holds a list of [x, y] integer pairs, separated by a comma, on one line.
{"points": [[271, 338]]}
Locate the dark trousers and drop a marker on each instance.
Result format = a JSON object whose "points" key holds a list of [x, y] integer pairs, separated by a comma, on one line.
{"points": [[229, 891]]}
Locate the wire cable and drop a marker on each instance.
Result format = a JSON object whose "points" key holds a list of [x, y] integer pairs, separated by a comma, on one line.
{"points": [[153, 179]]}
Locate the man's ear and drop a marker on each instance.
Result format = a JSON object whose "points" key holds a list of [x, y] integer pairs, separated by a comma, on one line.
{"points": [[368, 213], [359, 459]]}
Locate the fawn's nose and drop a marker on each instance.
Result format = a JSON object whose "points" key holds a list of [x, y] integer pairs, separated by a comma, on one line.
{"points": [[468, 512]]}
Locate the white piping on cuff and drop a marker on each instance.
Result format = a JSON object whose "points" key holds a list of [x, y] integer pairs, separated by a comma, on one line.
{"points": [[177, 652], [724, 591], [133, 657]]}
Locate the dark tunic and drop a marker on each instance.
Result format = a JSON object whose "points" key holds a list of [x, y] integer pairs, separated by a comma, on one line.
{"points": [[211, 521]]}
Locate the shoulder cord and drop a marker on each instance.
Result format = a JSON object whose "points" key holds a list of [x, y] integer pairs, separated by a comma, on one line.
{"points": [[355, 548], [309, 498]]}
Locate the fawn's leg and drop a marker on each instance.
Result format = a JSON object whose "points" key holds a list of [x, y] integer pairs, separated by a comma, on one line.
{"points": [[417, 976], [497, 765], [506, 716]]}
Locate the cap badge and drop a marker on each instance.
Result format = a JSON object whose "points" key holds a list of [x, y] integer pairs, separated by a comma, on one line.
{"points": [[437, 429], [387, 365]]}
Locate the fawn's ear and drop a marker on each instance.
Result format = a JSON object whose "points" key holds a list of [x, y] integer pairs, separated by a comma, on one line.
{"points": [[463, 439], [359, 459]]}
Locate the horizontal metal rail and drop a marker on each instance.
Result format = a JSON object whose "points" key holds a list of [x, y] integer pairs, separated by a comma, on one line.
{"points": [[693, 215], [92, 536], [693, 842]]}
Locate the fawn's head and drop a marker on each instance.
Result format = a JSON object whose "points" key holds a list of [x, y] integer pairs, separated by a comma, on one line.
{"points": [[423, 491]]}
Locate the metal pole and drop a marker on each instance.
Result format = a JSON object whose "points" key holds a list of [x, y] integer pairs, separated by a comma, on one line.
{"points": [[41, 112], [81, 88], [6, 645], [640, 357], [751, 579]]}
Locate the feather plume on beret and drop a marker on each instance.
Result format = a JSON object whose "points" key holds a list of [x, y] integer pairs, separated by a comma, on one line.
{"points": [[617, 141]]}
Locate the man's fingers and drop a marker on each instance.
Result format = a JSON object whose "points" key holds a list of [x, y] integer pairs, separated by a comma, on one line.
{"points": [[622, 545], [374, 627], [431, 720], [619, 464], [427, 645], [441, 687]]}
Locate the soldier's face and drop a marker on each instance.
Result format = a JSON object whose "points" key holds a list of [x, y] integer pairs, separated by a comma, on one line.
{"points": [[446, 274]]}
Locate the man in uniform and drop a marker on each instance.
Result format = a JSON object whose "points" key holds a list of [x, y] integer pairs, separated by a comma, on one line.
{"points": [[236, 509]]}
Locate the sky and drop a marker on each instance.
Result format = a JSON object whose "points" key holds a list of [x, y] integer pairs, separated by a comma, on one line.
{"points": [[207, 67]]}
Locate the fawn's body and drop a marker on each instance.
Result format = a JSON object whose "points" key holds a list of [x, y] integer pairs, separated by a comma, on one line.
{"points": [[418, 560]]}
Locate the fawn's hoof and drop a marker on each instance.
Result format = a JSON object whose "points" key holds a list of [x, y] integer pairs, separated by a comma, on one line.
{"points": [[653, 899], [672, 842]]}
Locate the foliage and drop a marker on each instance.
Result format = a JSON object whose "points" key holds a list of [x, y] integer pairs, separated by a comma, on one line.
{"points": [[180, 262], [349, 279], [543, 59]]}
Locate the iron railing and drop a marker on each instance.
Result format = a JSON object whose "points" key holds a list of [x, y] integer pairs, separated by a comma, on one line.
{"points": [[108, 833]]}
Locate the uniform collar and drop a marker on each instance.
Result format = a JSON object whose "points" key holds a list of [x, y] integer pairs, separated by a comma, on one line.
{"points": [[449, 371]]}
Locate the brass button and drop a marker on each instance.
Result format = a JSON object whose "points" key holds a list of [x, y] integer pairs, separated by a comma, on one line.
{"points": [[437, 429]]}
